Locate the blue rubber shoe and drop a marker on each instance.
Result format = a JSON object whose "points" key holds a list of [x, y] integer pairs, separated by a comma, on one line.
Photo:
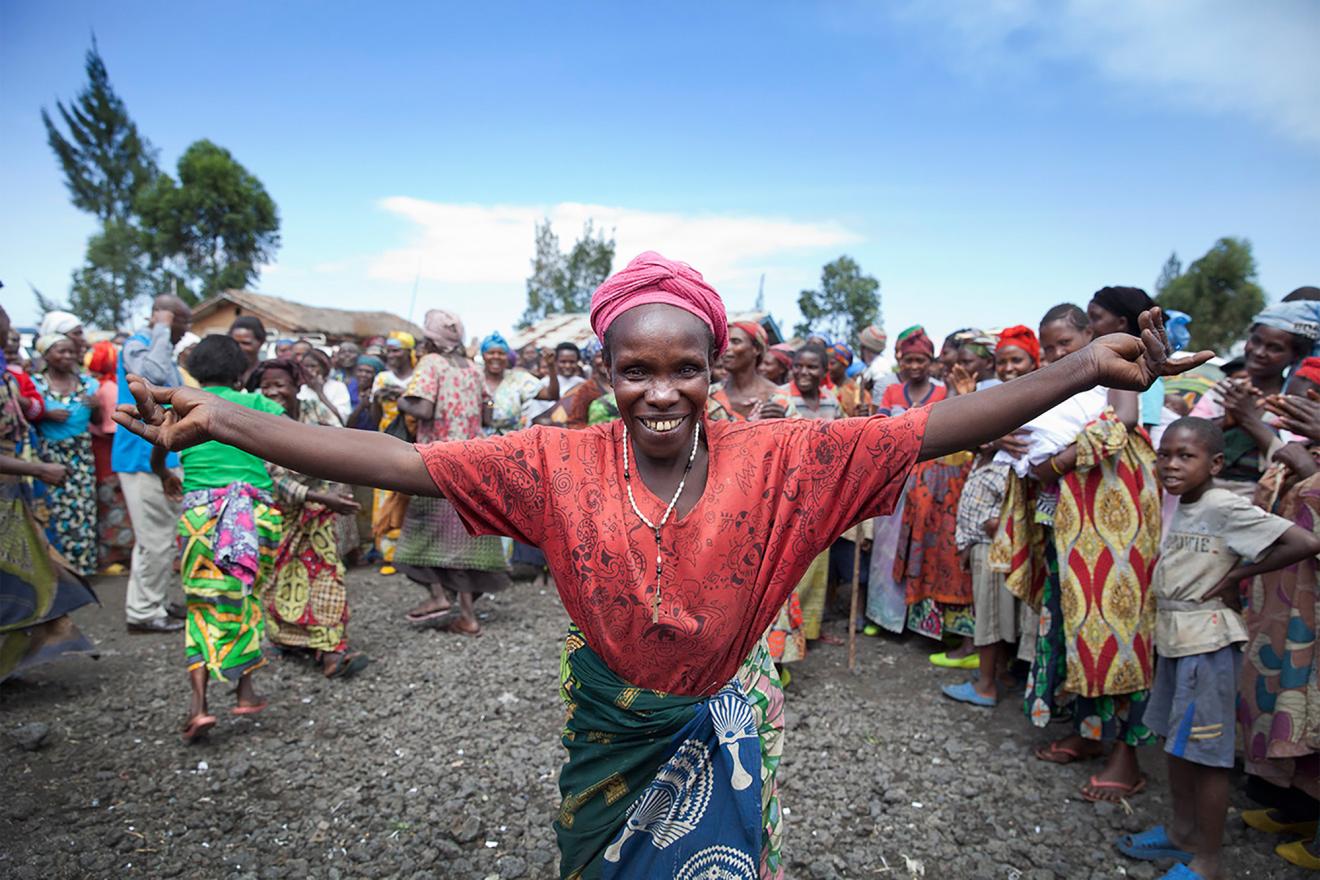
{"points": [[966, 693], [1181, 872], [1152, 845]]}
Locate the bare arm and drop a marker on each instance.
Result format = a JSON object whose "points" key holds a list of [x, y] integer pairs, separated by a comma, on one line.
{"points": [[154, 362], [364, 458], [1117, 361], [1293, 546], [551, 390], [418, 407], [47, 472]]}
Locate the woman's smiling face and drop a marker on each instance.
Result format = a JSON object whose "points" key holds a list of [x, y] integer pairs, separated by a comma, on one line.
{"points": [[659, 357]]}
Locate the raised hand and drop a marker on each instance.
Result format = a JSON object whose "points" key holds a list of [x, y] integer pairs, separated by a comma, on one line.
{"points": [[185, 423], [961, 381], [1301, 415], [1133, 364]]}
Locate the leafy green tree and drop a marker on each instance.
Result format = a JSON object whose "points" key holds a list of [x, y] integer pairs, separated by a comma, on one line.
{"points": [[563, 282], [107, 164], [1172, 269], [1219, 291], [846, 303], [212, 228]]}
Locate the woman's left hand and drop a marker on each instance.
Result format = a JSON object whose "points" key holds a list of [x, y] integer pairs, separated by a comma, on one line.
{"points": [[1301, 415], [961, 381], [1133, 364]]}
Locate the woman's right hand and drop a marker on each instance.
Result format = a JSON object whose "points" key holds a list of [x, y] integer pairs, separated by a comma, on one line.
{"points": [[57, 414], [1015, 444], [186, 422], [344, 504], [52, 474], [1301, 415], [1241, 400]]}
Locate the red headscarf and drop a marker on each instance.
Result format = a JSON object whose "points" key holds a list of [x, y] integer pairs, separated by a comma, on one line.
{"points": [[914, 340], [650, 278], [759, 337], [783, 352], [1309, 370], [103, 361], [1023, 338]]}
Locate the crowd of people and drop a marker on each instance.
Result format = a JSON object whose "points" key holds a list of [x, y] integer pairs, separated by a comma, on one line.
{"points": [[1123, 538]]}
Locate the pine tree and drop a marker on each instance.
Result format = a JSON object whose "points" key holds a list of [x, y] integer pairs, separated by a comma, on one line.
{"points": [[563, 283], [846, 303], [107, 164]]}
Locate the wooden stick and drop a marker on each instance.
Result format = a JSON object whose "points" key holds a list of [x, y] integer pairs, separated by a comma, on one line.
{"points": [[856, 589]]}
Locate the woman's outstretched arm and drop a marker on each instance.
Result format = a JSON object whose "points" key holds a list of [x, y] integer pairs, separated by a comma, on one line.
{"points": [[363, 458], [1116, 361]]}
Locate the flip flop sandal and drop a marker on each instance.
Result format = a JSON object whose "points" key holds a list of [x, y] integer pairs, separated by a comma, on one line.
{"points": [[1053, 750], [249, 710], [1297, 854], [429, 615], [1151, 845], [348, 665], [1181, 872], [943, 660], [1124, 791], [197, 727], [453, 627], [1262, 820]]}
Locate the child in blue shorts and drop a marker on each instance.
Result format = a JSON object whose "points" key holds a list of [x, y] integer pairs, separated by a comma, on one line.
{"points": [[1215, 540]]}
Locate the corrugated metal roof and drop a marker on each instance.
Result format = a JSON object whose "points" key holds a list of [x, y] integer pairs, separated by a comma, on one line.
{"points": [[296, 317]]}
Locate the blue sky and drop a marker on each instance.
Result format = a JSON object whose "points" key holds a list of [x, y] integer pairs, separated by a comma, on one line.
{"points": [[983, 160]]}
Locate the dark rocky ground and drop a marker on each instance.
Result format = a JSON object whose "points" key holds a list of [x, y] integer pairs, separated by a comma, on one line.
{"points": [[441, 761]]}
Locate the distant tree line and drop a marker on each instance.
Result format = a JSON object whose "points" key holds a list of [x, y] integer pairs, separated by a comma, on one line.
{"points": [[208, 229]]}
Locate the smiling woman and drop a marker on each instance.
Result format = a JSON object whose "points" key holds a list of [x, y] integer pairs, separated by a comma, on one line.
{"points": [[671, 559]]}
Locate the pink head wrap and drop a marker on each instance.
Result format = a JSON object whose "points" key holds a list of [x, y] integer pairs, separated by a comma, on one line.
{"points": [[443, 328], [650, 278]]}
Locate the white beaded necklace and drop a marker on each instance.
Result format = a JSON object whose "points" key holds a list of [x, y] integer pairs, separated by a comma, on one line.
{"points": [[655, 527]]}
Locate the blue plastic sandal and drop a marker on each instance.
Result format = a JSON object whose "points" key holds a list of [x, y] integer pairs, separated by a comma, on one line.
{"points": [[966, 693], [1181, 872], [1152, 845]]}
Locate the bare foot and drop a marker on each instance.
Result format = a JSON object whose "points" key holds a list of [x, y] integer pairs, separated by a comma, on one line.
{"points": [[1120, 778], [462, 626]]}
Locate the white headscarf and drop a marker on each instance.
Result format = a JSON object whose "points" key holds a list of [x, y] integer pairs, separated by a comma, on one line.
{"points": [[189, 338], [58, 324]]}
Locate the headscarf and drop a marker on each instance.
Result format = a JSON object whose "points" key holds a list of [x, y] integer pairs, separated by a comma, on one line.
{"points": [[1020, 337], [1300, 318], [444, 328], [58, 324], [914, 340], [285, 340], [103, 361], [1175, 326], [591, 349], [1126, 302], [370, 360], [1309, 370], [841, 352], [760, 338], [873, 337], [826, 340], [650, 278], [981, 343], [46, 340], [495, 340], [405, 340], [783, 352], [284, 364], [855, 370], [187, 339]]}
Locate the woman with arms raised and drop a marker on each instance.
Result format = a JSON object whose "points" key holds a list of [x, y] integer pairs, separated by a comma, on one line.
{"points": [[673, 540]]}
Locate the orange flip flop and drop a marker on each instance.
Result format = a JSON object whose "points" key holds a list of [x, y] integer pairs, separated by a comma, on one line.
{"points": [[1122, 789], [197, 727]]}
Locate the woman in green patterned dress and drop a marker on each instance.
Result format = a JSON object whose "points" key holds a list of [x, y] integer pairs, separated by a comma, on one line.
{"points": [[230, 530]]}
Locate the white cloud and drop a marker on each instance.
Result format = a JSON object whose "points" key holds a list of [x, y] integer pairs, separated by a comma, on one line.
{"points": [[475, 244], [1260, 59], [475, 258]]}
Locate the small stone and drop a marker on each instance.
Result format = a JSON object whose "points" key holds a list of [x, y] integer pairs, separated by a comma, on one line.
{"points": [[31, 736]]}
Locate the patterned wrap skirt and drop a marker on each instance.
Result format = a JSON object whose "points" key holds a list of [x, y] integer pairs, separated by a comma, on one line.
{"points": [[661, 785], [71, 528], [229, 539], [36, 594], [306, 603]]}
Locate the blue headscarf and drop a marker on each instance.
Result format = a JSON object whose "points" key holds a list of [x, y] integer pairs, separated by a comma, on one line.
{"points": [[372, 361], [591, 349], [495, 340], [1175, 325], [1300, 318]]}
